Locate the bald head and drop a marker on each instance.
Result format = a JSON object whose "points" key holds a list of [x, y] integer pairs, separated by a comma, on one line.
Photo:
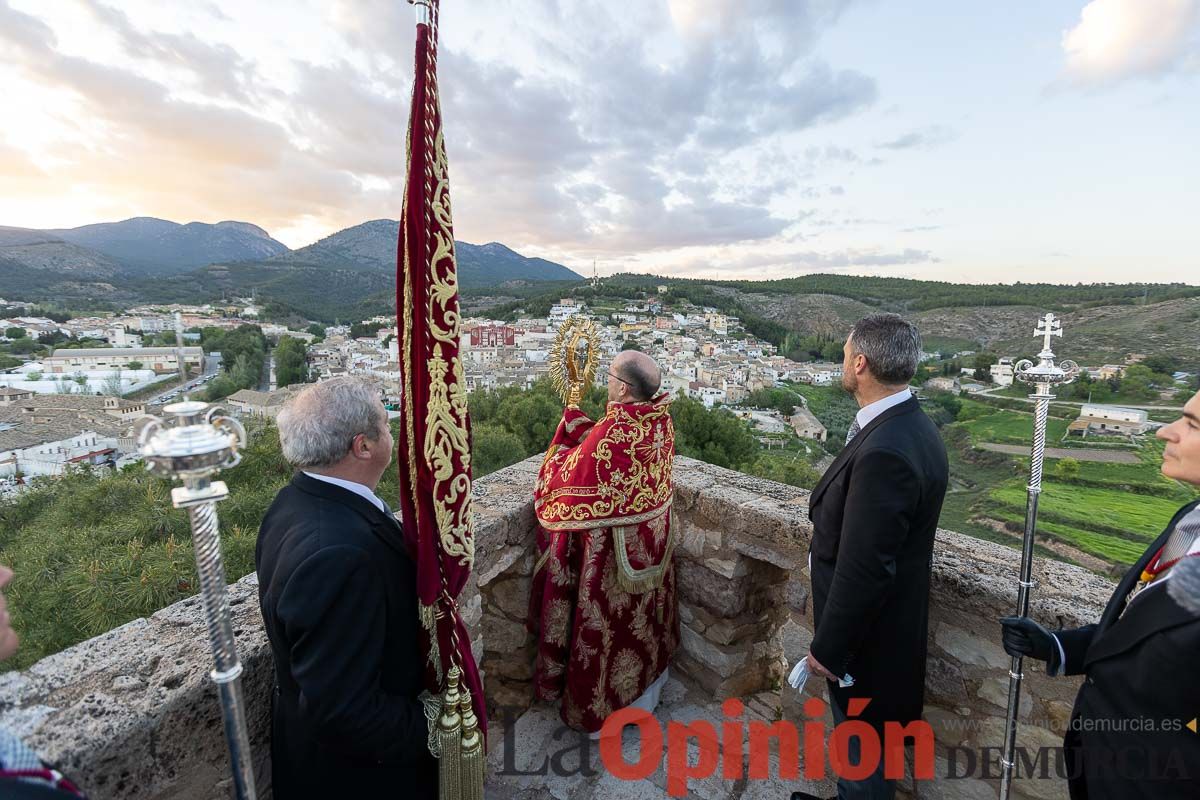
{"points": [[637, 377]]}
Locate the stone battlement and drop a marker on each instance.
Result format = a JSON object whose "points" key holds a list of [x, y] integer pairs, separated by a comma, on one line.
{"points": [[131, 714]]}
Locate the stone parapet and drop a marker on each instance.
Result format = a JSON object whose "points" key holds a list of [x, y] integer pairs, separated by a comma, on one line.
{"points": [[132, 714]]}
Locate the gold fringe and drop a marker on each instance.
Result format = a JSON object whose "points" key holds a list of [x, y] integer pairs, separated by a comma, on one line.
{"points": [[471, 776], [640, 581], [429, 616], [450, 740]]}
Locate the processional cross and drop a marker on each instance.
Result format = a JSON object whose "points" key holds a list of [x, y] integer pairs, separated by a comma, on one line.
{"points": [[1048, 327]]}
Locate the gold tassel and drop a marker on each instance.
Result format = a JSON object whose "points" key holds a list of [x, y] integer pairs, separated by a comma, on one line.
{"points": [[639, 581], [450, 740], [471, 777]]}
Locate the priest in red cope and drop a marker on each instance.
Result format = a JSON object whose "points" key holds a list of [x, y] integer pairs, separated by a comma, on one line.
{"points": [[603, 602]]}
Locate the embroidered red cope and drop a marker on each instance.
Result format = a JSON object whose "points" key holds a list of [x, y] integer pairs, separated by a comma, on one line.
{"points": [[603, 601]]}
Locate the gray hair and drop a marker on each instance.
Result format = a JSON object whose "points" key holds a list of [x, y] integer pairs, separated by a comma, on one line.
{"points": [[317, 426], [891, 344]]}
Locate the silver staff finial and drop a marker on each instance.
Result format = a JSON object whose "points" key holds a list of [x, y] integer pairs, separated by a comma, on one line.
{"points": [[193, 446]]}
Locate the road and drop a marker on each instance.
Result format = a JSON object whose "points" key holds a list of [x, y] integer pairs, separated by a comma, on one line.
{"points": [[992, 393], [212, 365], [1104, 456]]}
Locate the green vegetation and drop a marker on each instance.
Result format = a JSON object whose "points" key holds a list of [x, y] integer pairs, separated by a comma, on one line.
{"points": [[365, 330], [1013, 427], [99, 549], [243, 355], [291, 362]]}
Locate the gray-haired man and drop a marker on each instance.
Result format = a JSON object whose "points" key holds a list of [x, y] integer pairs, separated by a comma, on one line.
{"points": [[338, 596], [874, 515]]}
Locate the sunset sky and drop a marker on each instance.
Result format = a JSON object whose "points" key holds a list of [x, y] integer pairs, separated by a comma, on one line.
{"points": [[1051, 140]]}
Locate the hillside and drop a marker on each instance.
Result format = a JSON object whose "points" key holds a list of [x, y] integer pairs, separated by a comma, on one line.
{"points": [[44, 252], [1103, 322], [371, 246], [150, 246]]}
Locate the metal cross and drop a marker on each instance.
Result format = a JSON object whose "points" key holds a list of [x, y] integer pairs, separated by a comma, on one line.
{"points": [[1048, 327]]}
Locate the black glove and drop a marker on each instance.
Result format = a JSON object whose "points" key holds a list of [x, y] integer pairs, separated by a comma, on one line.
{"points": [[1024, 637]]}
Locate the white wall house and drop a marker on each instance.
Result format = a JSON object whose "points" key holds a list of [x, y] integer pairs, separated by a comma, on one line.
{"points": [[159, 359], [1114, 419], [54, 457], [1002, 372]]}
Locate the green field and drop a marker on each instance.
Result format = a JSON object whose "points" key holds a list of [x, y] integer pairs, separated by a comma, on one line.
{"points": [[1012, 427], [1110, 511], [1128, 515]]}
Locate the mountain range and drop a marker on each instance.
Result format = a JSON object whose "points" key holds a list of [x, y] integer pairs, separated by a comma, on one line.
{"points": [[155, 260]]}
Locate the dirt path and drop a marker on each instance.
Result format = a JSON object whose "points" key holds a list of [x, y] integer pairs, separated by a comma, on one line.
{"points": [[1103, 456]]}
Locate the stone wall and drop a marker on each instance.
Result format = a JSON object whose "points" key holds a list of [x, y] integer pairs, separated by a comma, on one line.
{"points": [[131, 714]]}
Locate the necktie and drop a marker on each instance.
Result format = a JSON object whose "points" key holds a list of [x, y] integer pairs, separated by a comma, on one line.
{"points": [[1178, 545], [1186, 531], [854, 429]]}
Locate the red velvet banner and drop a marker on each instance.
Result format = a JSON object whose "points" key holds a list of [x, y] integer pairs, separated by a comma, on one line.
{"points": [[434, 445]]}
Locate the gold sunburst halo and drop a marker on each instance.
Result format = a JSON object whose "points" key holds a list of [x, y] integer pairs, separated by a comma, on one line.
{"points": [[570, 373]]}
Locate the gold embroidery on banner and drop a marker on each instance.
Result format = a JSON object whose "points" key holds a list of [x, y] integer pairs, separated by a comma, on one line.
{"points": [[446, 434]]}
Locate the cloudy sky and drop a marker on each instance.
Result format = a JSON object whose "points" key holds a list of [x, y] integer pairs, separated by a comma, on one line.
{"points": [[1048, 140]]}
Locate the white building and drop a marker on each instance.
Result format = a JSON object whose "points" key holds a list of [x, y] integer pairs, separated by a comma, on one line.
{"points": [[119, 337], [565, 307], [1110, 419], [1002, 372], [158, 359], [24, 453]]}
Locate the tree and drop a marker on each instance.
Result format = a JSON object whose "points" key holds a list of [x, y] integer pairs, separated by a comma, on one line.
{"points": [[134, 365], [1066, 469], [8, 362], [1137, 383], [291, 362], [493, 448], [14, 333], [1163, 364], [221, 387], [717, 437], [983, 363], [794, 472], [630, 344], [25, 346], [317, 330], [113, 386], [33, 375]]}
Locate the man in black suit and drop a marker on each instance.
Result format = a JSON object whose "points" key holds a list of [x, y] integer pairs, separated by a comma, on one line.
{"points": [[338, 596], [1129, 734], [874, 515]]}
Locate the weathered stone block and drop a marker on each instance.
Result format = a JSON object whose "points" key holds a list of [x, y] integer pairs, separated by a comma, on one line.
{"points": [[510, 596], [971, 648], [944, 681]]}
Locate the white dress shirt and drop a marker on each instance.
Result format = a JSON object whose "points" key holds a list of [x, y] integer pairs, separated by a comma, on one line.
{"points": [[358, 488], [872, 410]]}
